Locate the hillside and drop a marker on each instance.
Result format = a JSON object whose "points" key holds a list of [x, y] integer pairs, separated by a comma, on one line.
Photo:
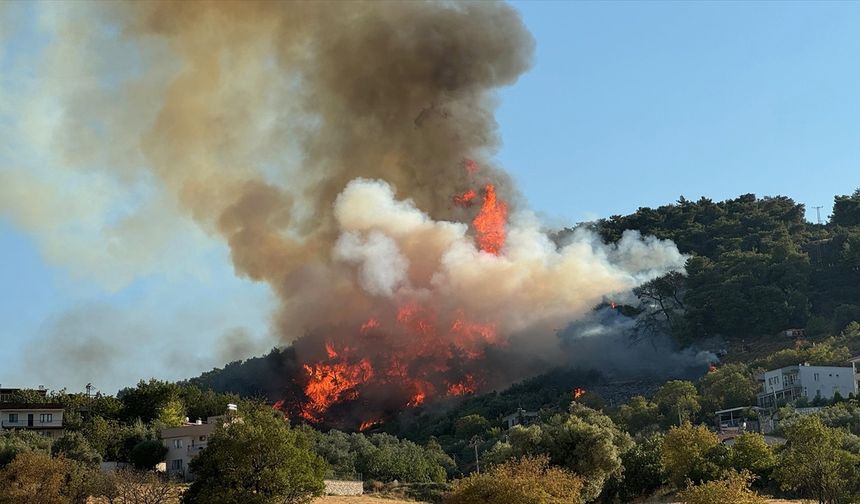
{"points": [[755, 269], [756, 266]]}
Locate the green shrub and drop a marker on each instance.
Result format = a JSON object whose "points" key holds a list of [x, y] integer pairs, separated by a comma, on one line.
{"points": [[529, 480]]}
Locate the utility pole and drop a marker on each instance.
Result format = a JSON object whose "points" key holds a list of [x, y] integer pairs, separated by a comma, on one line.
{"points": [[475, 441], [818, 213]]}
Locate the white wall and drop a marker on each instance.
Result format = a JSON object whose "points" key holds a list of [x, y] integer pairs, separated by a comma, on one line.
{"points": [[813, 380], [826, 380]]}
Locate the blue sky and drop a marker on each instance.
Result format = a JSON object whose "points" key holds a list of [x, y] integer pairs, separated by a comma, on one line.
{"points": [[628, 104], [636, 103]]}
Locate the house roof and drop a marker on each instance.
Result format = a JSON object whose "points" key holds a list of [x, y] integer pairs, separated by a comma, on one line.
{"points": [[30, 406], [188, 430]]}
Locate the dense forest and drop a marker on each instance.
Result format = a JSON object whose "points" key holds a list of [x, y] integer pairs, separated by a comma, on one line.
{"points": [[756, 266]]}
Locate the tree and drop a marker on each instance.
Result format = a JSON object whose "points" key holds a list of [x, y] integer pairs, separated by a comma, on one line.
{"points": [[401, 460], [74, 446], [256, 459], [677, 401], [529, 480], [639, 414], [13, 442], [146, 399], [663, 305], [471, 425], [137, 487], [171, 413], [734, 488], [846, 210], [36, 478], [686, 454], [643, 472], [815, 464], [146, 454], [751, 453], [729, 386], [584, 441]]}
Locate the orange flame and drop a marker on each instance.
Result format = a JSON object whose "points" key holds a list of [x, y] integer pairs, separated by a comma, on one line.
{"points": [[368, 424], [490, 222], [371, 324], [578, 392], [332, 382], [467, 386], [466, 199], [279, 405], [420, 395]]}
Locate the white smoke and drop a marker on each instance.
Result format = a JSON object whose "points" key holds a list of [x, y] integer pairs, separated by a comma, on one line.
{"points": [[398, 251]]}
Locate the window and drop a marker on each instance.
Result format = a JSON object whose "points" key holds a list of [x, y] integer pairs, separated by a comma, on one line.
{"points": [[46, 417], [176, 465], [13, 417], [177, 443], [202, 438], [815, 376]]}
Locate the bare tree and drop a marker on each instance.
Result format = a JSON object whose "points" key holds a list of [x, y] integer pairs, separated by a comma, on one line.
{"points": [[138, 487]]}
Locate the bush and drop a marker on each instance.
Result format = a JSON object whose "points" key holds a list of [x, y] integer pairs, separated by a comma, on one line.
{"points": [[733, 488], [530, 480], [381, 457], [36, 478], [14, 442], [585, 441], [146, 454], [643, 472], [74, 446], [815, 463], [257, 459], [751, 453], [688, 453], [139, 487]]}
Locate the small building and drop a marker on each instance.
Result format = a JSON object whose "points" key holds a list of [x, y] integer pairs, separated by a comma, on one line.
{"points": [[791, 383], [793, 333], [521, 417], [735, 421], [43, 418], [185, 442]]}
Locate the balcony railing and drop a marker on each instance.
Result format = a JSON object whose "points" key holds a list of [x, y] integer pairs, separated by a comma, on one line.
{"points": [[20, 424]]}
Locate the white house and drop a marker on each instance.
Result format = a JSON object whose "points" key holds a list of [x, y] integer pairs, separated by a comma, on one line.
{"points": [[791, 383], [45, 418], [186, 441]]}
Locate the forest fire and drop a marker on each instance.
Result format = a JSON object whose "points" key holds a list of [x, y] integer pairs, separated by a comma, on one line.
{"points": [[414, 357], [369, 424], [333, 382], [490, 222], [369, 204], [578, 392], [414, 353]]}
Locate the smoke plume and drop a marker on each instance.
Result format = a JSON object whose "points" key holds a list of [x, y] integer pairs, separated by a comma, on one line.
{"points": [[344, 152]]}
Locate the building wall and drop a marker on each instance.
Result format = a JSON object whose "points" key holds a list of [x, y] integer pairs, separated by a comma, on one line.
{"points": [[46, 421], [340, 487], [183, 444], [826, 380], [813, 380]]}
